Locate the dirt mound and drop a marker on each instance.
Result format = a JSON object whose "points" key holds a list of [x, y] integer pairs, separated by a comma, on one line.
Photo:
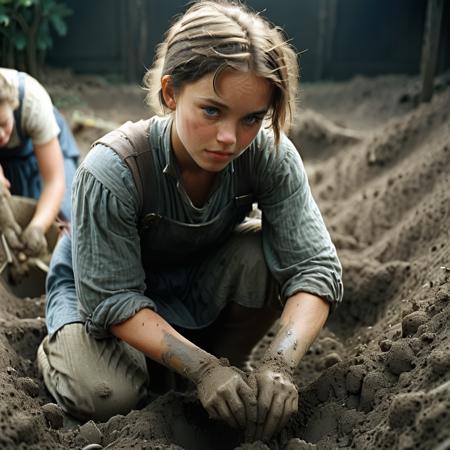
{"points": [[379, 374]]}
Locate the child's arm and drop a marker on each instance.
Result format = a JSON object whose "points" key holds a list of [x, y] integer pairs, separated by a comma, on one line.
{"points": [[221, 388], [301, 321], [3, 180], [51, 168]]}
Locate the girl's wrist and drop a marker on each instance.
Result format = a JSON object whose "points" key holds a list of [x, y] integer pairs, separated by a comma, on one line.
{"points": [[36, 224], [189, 361]]}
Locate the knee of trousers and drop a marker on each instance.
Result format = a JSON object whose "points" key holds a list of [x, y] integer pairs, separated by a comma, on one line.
{"points": [[91, 387], [101, 399]]}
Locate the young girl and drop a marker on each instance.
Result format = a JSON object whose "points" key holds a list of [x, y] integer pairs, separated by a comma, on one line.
{"points": [[162, 262], [38, 154]]}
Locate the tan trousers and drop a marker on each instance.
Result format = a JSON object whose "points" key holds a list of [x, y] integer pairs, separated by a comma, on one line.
{"points": [[89, 378], [96, 379]]}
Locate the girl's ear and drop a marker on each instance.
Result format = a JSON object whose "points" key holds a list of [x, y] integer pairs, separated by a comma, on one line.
{"points": [[168, 92]]}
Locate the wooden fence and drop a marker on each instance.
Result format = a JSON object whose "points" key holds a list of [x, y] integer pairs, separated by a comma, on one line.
{"points": [[336, 39]]}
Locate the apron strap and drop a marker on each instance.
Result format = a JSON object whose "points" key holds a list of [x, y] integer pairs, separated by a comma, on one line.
{"points": [[131, 142], [18, 111]]}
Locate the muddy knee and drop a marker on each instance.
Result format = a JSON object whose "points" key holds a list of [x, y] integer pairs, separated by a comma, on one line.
{"points": [[102, 399], [92, 379]]}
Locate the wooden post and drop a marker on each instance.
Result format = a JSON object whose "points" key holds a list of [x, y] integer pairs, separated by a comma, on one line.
{"points": [[326, 25], [322, 17], [123, 37], [430, 47], [331, 31], [133, 38]]}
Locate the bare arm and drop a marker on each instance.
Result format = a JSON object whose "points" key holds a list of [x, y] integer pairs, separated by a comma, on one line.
{"points": [[3, 180], [303, 318], [301, 321], [51, 168], [151, 334], [221, 389]]}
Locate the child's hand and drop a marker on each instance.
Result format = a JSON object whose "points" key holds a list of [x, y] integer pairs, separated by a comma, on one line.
{"points": [[226, 396], [12, 232], [3, 180], [277, 400], [34, 241], [8, 225]]}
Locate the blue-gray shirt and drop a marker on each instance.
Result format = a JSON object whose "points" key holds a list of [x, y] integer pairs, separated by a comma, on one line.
{"points": [[106, 253]]}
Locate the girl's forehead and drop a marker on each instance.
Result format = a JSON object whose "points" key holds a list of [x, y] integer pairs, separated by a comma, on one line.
{"points": [[232, 85]]}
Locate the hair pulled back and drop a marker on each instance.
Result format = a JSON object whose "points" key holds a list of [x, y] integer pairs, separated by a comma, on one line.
{"points": [[212, 36]]}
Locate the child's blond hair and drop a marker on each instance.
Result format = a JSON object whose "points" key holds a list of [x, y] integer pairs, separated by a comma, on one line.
{"points": [[8, 93]]}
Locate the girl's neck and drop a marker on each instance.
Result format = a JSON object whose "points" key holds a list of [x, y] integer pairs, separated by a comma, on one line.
{"points": [[198, 186], [197, 182]]}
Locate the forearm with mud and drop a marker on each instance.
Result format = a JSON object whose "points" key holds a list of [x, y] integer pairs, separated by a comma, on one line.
{"points": [[304, 315], [149, 333]]}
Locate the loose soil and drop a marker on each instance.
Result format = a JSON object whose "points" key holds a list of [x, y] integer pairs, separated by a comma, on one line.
{"points": [[378, 377]]}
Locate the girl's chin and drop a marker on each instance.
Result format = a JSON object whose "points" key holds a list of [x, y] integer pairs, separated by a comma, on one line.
{"points": [[214, 166]]}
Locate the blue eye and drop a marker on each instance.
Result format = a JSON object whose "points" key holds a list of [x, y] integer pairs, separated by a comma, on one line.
{"points": [[252, 120], [210, 111]]}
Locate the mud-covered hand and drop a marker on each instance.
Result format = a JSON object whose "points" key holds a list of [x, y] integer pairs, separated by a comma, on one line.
{"points": [[12, 232], [225, 395], [277, 399], [34, 241], [8, 225]]}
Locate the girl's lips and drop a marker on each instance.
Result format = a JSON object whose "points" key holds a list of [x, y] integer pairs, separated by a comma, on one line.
{"points": [[219, 155]]}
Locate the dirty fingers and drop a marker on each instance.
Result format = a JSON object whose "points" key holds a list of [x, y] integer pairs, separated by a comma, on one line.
{"points": [[277, 400], [221, 388], [34, 241], [225, 395]]}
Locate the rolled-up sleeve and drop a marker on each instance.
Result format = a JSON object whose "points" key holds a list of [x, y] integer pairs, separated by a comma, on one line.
{"points": [[297, 246], [109, 277]]}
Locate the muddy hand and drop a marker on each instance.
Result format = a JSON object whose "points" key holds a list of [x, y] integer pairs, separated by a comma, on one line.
{"points": [[34, 241], [226, 396], [12, 233], [8, 225], [277, 401]]}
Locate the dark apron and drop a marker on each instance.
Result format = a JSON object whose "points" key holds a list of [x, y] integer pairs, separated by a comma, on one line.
{"points": [[174, 255], [179, 258], [167, 242]]}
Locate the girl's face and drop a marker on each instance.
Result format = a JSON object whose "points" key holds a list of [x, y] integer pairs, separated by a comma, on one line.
{"points": [[6, 123], [213, 128]]}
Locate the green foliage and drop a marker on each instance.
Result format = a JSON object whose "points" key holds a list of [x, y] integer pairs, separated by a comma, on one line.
{"points": [[26, 30]]}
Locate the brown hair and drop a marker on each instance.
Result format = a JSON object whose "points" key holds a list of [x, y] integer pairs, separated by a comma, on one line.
{"points": [[215, 35], [8, 93]]}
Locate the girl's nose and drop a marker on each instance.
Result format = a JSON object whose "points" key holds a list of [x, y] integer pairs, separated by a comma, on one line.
{"points": [[226, 134]]}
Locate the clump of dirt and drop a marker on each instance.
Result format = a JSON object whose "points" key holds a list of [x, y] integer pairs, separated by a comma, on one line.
{"points": [[378, 376]]}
